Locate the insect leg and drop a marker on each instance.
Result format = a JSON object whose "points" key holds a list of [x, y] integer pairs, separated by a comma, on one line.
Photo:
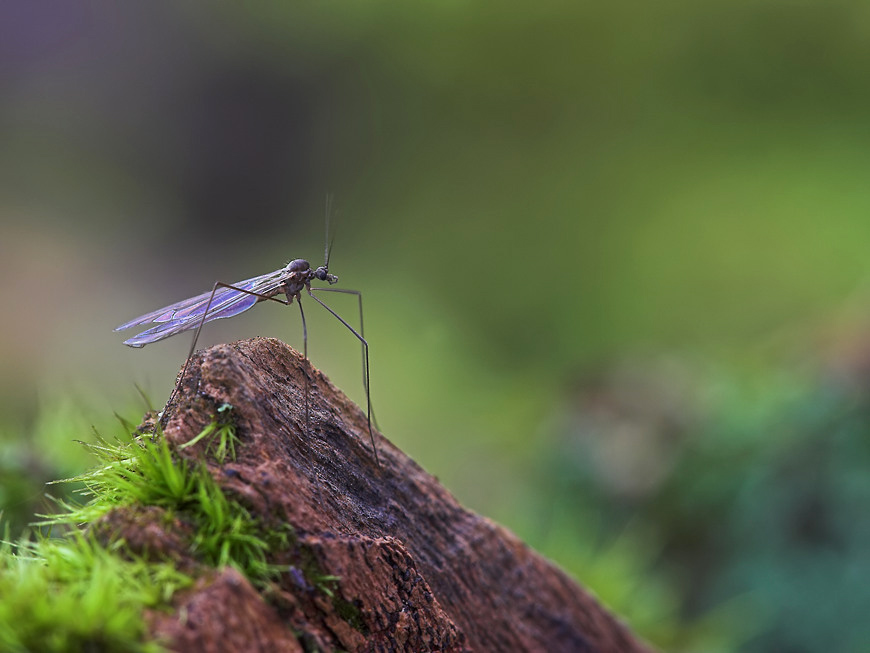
{"points": [[367, 378], [304, 328], [202, 321], [362, 332], [305, 352]]}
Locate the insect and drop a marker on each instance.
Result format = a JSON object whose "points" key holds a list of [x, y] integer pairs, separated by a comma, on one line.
{"points": [[226, 300]]}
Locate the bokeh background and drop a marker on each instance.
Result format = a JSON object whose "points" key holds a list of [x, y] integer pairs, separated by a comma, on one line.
{"points": [[614, 259]]}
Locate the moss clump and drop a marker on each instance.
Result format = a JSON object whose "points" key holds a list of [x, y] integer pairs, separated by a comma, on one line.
{"points": [[83, 592], [74, 594]]}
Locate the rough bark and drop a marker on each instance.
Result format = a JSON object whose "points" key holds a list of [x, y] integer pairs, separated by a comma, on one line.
{"points": [[416, 571]]}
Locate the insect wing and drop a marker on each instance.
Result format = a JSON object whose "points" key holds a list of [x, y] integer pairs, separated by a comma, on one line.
{"points": [[187, 314], [165, 330], [162, 314]]}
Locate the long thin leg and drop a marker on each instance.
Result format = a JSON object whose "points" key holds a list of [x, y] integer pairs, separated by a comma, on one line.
{"points": [[363, 334], [202, 321], [367, 386], [305, 371], [304, 328], [361, 326]]}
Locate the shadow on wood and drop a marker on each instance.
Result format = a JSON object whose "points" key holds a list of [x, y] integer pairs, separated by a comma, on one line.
{"points": [[415, 570]]}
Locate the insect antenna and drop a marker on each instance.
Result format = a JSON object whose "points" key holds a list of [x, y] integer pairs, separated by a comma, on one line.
{"points": [[327, 242]]}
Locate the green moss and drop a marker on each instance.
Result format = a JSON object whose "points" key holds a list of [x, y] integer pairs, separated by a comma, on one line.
{"points": [[220, 434], [146, 472], [350, 613], [74, 593], [328, 584]]}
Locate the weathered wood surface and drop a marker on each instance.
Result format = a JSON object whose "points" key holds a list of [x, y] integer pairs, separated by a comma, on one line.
{"points": [[418, 572]]}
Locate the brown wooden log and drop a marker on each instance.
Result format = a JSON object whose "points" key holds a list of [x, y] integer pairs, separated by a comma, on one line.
{"points": [[418, 572]]}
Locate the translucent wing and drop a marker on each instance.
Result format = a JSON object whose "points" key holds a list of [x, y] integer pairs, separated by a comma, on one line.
{"points": [[187, 314]]}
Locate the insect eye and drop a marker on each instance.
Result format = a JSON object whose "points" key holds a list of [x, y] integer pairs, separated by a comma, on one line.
{"points": [[321, 273]]}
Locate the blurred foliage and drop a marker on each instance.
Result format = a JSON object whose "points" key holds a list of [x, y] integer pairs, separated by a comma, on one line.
{"points": [[45, 450], [734, 519]]}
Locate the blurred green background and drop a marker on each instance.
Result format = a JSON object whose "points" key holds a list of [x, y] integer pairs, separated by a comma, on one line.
{"points": [[614, 260]]}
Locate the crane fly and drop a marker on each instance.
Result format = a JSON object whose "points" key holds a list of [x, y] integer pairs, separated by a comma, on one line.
{"points": [[227, 300]]}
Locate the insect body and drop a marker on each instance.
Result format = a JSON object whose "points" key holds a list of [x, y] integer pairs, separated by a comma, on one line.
{"points": [[227, 300]]}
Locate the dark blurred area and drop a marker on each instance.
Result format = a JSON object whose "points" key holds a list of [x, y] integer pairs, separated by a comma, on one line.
{"points": [[614, 261]]}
